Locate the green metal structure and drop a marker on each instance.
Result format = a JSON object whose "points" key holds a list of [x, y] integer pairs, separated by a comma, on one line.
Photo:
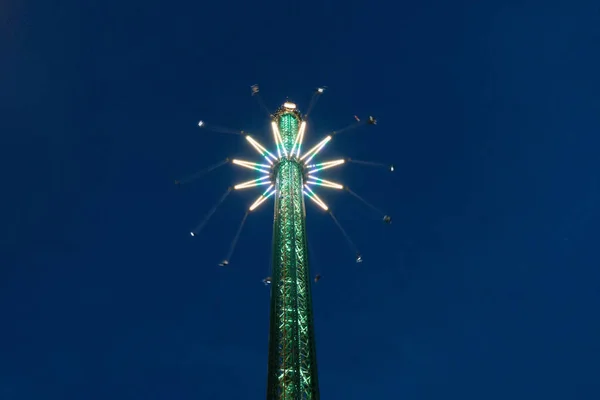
{"points": [[289, 174], [292, 368]]}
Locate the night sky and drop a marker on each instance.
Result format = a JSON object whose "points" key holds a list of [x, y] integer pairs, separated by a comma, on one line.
{"points": [[485, 286]]}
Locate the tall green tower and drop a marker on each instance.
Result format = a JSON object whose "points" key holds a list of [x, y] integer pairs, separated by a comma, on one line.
{"points": [[289, 175], [292, 373]]}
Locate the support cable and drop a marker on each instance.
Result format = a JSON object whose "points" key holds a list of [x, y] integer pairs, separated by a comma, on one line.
{"points": [[371, 206], [203, 223], [346, 236], [236, 237], [199, 174]]}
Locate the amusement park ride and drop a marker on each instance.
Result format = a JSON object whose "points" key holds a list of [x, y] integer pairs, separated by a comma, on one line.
{"points": [[289, 175]]}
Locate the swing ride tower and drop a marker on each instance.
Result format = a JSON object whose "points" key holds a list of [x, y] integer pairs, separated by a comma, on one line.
{"points": [[292, 366], [289, 174]]}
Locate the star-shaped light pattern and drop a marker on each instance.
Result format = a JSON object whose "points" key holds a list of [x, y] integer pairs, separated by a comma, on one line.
{"points": [[287, 165], [282, 152]]}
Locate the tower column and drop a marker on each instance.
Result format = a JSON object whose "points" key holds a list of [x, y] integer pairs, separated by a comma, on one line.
{"points": [[292, 373]]}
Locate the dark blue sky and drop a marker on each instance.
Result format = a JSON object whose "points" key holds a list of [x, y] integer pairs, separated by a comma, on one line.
{"points": [[485, 286]]}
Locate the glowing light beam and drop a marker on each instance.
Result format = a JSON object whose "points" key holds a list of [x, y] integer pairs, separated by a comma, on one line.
{"points": [[268, 193], [313, 152], [251, 165], [298, 141], [277, 138], [261, 149], [325, 165], [254, 182], [313, 180], [312, 195]]}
